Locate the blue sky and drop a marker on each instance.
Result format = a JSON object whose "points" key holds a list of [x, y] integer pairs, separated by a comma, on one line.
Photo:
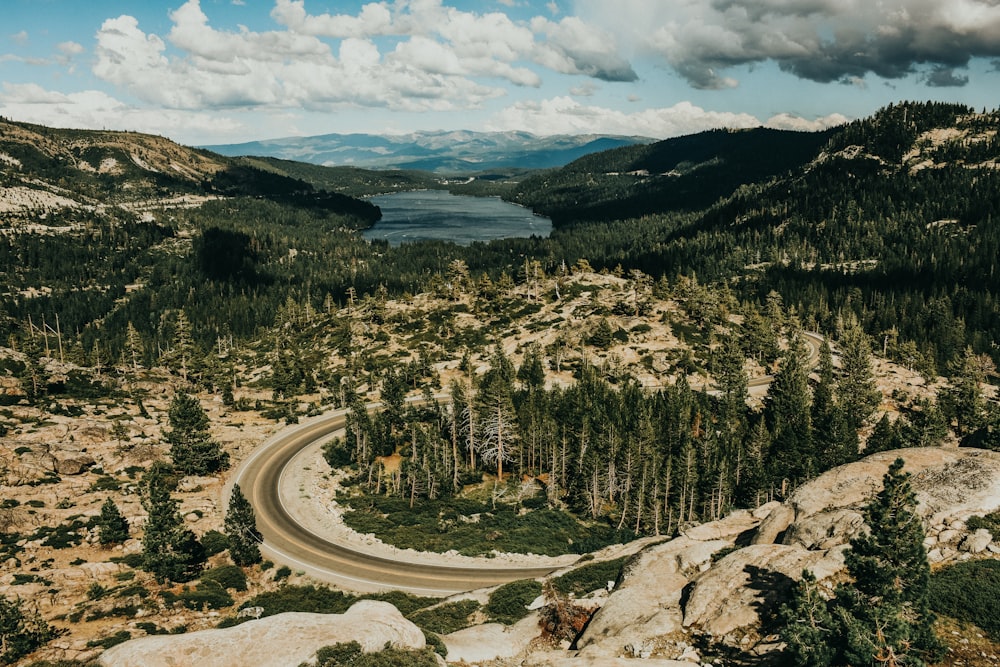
{"points": [[221, 71]]}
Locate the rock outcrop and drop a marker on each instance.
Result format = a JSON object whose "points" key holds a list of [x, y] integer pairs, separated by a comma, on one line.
{"points": [[690, 585], [283, 640], [715, 582]]}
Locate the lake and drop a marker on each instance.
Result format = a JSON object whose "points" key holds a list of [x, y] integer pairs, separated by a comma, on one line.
{"points": [[441, 216]]}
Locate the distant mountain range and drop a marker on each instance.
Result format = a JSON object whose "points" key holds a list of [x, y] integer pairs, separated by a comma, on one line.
{"points": [[456, 152]]}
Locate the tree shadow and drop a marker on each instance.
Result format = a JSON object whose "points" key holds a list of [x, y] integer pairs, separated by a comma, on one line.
{"points": [[772, 590]]}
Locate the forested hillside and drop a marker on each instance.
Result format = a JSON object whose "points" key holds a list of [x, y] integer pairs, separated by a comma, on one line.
{"points": [[893, 218], [629, 376]]}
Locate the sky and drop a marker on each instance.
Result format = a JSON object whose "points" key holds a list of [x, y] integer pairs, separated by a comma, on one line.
{"points": [[226, 71]]}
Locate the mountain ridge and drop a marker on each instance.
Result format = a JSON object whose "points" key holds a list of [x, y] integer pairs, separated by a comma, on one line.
{"points": [[441, 152]]}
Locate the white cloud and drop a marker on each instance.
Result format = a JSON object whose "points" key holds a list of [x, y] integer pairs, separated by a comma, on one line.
{"points": [[92, 109], [787, 121], [563, 115], [283, 69], [575, 47], [819, 40], [487, 44], [70, 48], [20, 38]]}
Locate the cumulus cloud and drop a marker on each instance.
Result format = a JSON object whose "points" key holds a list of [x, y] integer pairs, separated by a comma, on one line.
{"points": [[564, 115], [819, 40], [277, 69], [485, 43], [92, 109], [942, 76]]}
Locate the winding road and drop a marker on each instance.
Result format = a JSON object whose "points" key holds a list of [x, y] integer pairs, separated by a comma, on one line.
{"points": [[287, 541]]}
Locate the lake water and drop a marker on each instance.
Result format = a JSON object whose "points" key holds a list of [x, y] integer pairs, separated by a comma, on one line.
{"points": [[441, 216]]}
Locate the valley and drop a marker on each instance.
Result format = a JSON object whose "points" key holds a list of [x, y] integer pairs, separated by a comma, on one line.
{"points": [[637, 396]]}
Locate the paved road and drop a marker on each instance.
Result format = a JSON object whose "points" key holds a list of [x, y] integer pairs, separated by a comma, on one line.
{"points": [[288, 542], [285, 541], [812, 341]]}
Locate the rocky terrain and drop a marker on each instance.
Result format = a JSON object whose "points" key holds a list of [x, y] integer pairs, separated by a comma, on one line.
{"points": [[713, 584], [61, 461]]}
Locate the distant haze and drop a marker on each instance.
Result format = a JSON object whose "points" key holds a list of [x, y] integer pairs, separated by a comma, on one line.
{"points": [[440, 152]]}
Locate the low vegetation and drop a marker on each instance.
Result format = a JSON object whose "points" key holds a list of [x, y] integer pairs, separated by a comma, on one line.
{"points": [[508, 604], [969, 592]]}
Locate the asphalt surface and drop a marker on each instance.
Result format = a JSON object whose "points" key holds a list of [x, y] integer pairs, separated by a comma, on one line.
{"points": [[288, 542]]}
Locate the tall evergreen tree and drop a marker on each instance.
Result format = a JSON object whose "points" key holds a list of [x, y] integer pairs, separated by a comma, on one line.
{"points": [[856, 390], [834, 441], [883, 616], [886, 613], [112, 526], [192, 448], [21, 631], [792, 458], [169, 551], [807, 626], [241, 527]]}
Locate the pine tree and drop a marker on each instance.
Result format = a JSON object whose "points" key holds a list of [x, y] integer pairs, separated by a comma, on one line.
{"points": [[807, 626], [856, 390], [834, 441], [112, 526], [792, 457], [169, 551], [21, 632], [883, 618], [192, 448], [886, 615], [241, 527]]}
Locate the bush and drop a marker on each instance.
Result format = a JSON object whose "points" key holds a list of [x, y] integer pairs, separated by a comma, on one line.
{"points": [[349, 653], [509, 603], [131, 560], [206, 595], [990, 522], [214, 542], [589, 577], [229, 577], [970, 592], [313, 599], [445, 618], [113, 640], [282, 573]]}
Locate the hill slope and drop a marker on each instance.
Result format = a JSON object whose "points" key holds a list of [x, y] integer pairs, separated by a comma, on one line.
{"points": [[439, 152], [53, 169]]}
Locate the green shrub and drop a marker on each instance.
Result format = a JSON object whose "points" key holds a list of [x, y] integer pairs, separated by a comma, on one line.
{"points": [[589, 577], [229, 577], [541, 530], [445, 618], [150, 628], [113, 640], [970, 592], [118, 611], [63, 536], [990, 522], [205, 595], [509, 603], [282, 573], [404, 602], [436, 644], [105, 483], [349, 653], [131, 560], [320, 600]]}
